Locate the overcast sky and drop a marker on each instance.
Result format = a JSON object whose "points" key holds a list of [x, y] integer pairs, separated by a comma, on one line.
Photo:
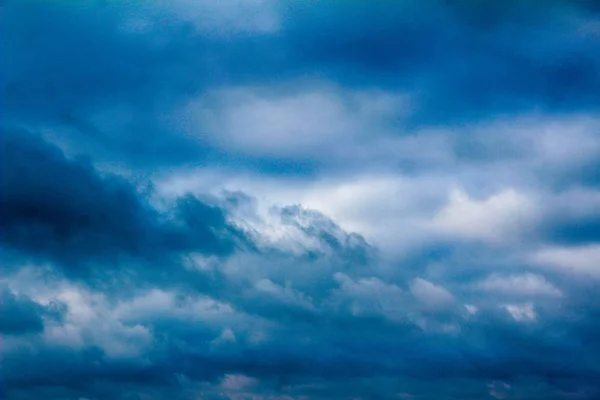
{"points": [[271, 199]]}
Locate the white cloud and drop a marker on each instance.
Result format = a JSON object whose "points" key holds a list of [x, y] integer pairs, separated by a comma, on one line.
{"points": [[394, 211], [540, 139], [89, 320], [521, 312], [582, 142], [500, 217], [471, 309], [260, 121], [582, 260], [390, 210], [226, 338], [430, 294], [123, 329], [525, 284]]}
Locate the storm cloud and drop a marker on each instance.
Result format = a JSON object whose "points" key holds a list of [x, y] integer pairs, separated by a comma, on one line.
{"points": [[300, 200]]}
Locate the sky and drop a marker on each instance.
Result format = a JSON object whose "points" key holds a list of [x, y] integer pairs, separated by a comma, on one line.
{"points": [[300, 200]]}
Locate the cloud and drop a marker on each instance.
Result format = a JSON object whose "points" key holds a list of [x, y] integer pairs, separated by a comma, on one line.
{"points": [[482, 67], [125, 71], [299, 200], [260, 121], [389, 210], [521, 312], [64, 209], [526, 285], [369, 296], [581, 260], [20, 315], [430, 293], [498, 217], [572, 219], [233, 18], [284, 294]]}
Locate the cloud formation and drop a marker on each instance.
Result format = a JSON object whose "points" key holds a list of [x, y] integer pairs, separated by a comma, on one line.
{"points": [[287, 200]]}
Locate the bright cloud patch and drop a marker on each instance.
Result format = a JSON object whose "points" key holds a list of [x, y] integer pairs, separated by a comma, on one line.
{"points": [[583, 260], [256, 121], [521, 312], [499, 217]]}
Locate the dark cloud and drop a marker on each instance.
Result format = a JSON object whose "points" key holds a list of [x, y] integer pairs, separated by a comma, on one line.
{"points": [[19, 314], [64, 209], [111, 81], [488, 349], [486, 59]]}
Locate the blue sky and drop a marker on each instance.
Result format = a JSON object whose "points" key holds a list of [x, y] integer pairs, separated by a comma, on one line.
{"points": [[268, 199]]}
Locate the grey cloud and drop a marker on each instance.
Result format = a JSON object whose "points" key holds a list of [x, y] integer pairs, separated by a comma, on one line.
{"points": [[114, 292], [19, 315], [64, 209], [114, 90]]}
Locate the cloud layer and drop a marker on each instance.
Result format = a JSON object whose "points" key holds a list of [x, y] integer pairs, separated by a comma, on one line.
{"points": [[287, 200]]}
